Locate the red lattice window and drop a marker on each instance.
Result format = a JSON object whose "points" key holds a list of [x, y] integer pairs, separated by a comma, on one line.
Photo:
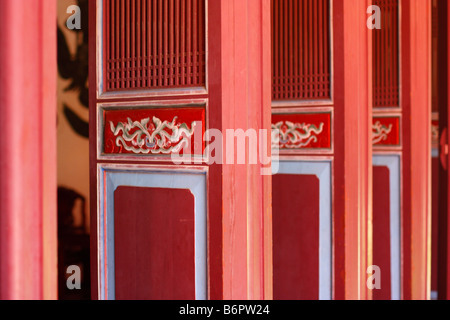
{"points": [[386, 56], [300, 49], [154, 44]]}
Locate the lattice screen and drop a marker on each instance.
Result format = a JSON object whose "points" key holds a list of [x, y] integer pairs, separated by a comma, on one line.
{"points": [[386, 56], [154, 44], [300, 49]]}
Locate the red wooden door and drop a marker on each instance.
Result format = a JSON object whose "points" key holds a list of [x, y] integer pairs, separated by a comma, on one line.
{"points": [[148, 101], [162, 72], [388, 151], [321, 189]]}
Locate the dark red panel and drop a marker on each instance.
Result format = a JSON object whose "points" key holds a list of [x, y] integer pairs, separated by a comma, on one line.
{"points": [[154, 243], [381, 231], [149, 131], [434, 223], [300, 50], [386, 56], [386, 131], [303, 130], [295, 237], [154, 44]]}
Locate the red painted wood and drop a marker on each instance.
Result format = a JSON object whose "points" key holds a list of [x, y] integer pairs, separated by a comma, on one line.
{"points": [[239, 97], [406, 159], [154, 244], [215, 188], [244, 102], [386, 56], [184, 116], [295, 237], [420, 37], [300, 68], [435, 223], [28, 70], [444, 242], [321, 122], [352, 180], [386, 131], [381, 230], [163, 53]]}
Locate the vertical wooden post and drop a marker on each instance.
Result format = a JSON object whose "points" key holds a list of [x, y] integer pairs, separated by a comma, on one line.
{"points": [[240, 98], [444, 183], [420, 66], [28, 230], [353, 165], [444, 238]]}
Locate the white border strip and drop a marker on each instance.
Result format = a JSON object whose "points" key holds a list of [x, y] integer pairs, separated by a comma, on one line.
{"points": [[113, 176], [393, 164], [322, 169]]}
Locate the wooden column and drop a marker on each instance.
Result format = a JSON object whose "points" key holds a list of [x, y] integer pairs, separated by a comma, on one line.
{"points": [[416, 175], [444, 208], [240, 98], [353, 159], [418, 34], [28, 231]]}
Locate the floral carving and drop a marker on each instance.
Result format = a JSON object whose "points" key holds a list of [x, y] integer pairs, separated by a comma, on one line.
{"points": [[295, 135], [157, 137], [380, 132]]}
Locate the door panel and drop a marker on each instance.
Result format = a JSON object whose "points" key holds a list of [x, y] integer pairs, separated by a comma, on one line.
{"points": [[302, 111], [295, 212], [149, 98], [154, 243], [302, 228], [382, 230], [188, 186], [388, 150]]}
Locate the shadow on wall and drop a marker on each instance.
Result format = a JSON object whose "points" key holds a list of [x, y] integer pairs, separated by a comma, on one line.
{"points": [[73, 152]]}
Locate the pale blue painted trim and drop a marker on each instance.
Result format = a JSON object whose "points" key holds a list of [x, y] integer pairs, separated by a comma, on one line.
{"points": [[116, 176], [321, 169], [393, 164], [435, 153]]}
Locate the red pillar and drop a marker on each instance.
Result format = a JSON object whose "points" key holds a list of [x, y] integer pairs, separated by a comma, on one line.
{"points": [[444, 219], [420, 144], [28, 232], [353, 141], [240, 98]]}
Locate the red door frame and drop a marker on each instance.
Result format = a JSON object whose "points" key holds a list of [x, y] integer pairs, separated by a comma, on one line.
{"points": [[416, 161], [444, 214], [28, 226], [352, 208], [239, 197], [242, 202]]}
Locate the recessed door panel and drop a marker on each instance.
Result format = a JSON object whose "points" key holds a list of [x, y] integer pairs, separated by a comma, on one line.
{"points": [[296, 236], [154, 243]]}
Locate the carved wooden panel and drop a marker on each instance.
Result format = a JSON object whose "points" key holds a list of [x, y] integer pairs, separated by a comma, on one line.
{"points": [[152, 131], [386, 131], [302, 131]]}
